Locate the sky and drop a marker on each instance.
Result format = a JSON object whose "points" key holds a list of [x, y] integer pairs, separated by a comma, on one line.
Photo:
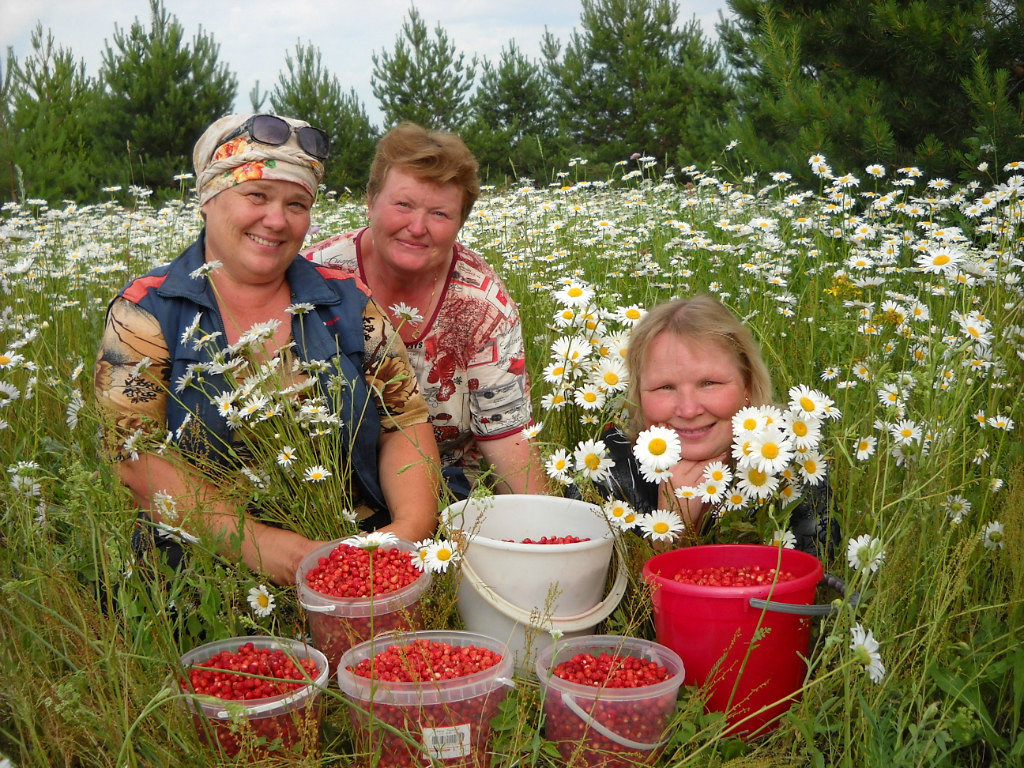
{"points": [[255, 35]]}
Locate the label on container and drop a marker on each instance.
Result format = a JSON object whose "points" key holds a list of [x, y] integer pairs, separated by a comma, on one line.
{"points": [[448, 742]]}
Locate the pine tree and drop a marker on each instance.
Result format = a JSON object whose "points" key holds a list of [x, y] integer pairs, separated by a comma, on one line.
{"points": [[159, 95], [512, 130], [876, 81], [311, 93], [631, 80], [45, 147], [423, 79]]}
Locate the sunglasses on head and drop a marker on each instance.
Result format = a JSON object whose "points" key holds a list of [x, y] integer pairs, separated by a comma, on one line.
{"points": [[275, 131]]}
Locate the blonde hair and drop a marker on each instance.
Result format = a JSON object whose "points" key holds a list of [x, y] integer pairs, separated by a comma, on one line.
{"points": [[701, 320], [436, 157]]}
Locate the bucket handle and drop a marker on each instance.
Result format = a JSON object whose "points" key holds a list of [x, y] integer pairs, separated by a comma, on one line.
{"points": [[830, 581], [575, 623], [604, 730]]}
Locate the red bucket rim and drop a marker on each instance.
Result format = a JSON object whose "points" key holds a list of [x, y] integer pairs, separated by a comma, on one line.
{"points": [[811, 569]]}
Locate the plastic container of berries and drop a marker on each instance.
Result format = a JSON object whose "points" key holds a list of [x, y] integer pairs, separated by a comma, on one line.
{"points": [[339, 621], [608, 700], [426, 698], [256, 696]]}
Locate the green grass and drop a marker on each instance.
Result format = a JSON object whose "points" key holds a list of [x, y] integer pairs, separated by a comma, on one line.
{"points": [[83, 686]]}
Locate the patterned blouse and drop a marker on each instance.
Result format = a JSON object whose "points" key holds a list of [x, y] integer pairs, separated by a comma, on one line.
{"points": [[469, 357]]}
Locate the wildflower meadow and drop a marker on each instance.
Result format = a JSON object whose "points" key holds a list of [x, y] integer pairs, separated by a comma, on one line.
{"points": [[890, 311]]}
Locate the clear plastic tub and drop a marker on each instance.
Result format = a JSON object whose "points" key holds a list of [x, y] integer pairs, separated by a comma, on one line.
{"points": [[338, 623], [445, 722], [252, 726], [601, 727]]}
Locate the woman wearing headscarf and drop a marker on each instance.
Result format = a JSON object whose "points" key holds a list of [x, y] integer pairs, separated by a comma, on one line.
{"points": [[257, 178]]}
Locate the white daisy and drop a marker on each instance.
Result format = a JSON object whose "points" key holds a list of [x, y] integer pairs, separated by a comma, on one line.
{"points": [[286, 456], [660, 525], [559, 465], [592, 460], [865, 650], [657, 448], [406, 314], [261, 601], [769, 450], [784, 539], [809, 401], [440, 555], [620, 513], [992, 535], [372, 540], [866, 448], [316, 474], [865, 553]]}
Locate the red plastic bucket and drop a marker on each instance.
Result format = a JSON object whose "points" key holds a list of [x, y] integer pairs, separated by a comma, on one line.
{"points": [[713, 628]]}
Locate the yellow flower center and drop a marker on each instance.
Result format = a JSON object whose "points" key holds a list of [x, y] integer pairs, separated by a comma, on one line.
{"points": [[810, 466], [5, 360], [800, 429], [941, 260], [444, 554], [750, 423], [807, 404], [590, 397], [593, 461], [611, 378], [770, 451], [632, 314], [657, 446], [660, 527], [757, 477], [575, 292]]}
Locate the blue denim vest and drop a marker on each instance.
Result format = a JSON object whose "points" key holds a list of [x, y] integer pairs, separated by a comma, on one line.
{"points": [[332, 332]]}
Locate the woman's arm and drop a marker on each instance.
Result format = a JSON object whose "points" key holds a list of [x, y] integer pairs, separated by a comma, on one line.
{"points": [[517, 464], [203, 511], [408, 465]]}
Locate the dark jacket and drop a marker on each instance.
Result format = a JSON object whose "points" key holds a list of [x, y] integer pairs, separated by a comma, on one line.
{"points": [[333, 332]]}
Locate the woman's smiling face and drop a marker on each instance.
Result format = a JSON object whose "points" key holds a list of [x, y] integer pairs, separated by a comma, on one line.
{"points": [[695, 389]]}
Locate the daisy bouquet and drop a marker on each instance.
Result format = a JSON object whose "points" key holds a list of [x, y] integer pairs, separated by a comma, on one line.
{"points": [[288, 455], [776, 455]]}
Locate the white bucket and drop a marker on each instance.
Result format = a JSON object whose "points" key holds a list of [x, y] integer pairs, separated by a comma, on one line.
{"points": [[521, 593]]}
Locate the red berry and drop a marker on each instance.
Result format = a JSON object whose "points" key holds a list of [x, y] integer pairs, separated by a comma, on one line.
{"points": [[731, 576]]}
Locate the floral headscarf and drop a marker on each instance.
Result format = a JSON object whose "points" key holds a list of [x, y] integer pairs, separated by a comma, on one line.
{"points": [[220, 166]]}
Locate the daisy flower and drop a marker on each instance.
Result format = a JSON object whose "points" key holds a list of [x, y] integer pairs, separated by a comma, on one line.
{"points": [[660, 525], [866, 448], [419, 555], [300, 308], [655, 475], [956, 507], [611, 375], [755, 483], [440, 555], [711, 491], [784, 539], [621, 514], [992, 535], [575, 295], [533, 430], [589, 397], [1000, 422], [629, 316], [865, 553], [405, 313], [261, 601], [570, 349], [769, 450], [372, 540], [718, 472], [802, 429], [657, 447], [812, 467], [558, 466], [165, 505], [808, 401], [905, 432], [865, 651], [316, 474], [286, 456]]}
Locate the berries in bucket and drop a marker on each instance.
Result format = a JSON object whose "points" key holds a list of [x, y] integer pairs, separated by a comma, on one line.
{"points": [[425, 698], [258, 696], [608, 699], [351, 593]]}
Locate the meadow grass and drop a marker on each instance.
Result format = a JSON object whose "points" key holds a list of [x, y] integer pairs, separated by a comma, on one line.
{"points": [[896, 296]]}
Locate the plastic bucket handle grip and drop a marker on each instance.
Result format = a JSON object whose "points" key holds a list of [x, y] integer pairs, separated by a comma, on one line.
{"points": [[581, 713], [580, 621], [833, 582]]}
